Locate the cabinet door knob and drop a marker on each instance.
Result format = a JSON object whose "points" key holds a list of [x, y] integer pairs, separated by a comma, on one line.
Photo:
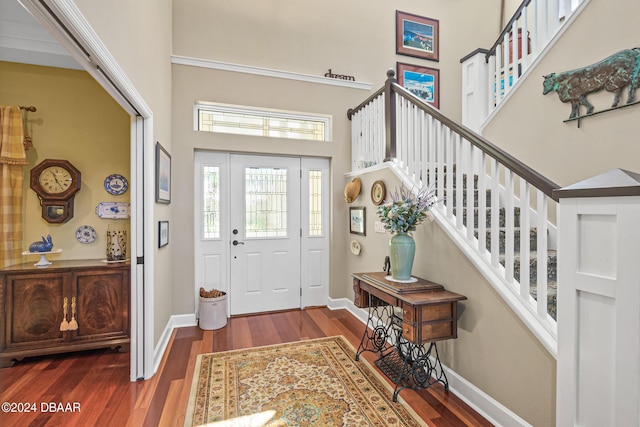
{"points": [[64, 325]]}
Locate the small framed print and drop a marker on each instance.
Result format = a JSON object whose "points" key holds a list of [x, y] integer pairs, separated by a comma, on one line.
{"points": [[423, 82], [163, 175], [417, 36], [163, 233], [357, 221]]}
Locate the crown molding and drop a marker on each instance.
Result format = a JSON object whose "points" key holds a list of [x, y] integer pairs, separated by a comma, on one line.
{"points": [[249, 69]]}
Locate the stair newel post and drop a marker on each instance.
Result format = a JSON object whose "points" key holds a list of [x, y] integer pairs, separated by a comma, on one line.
{"points": [[598, 375], [478, 95], [390, 116]]}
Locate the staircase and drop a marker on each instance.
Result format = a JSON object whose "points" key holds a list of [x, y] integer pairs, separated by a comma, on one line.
{"points": [[551, 254], [509, 232], [489, 76], [422, 146]]}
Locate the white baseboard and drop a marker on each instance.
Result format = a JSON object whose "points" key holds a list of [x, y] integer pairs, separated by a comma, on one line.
{"points": [[482, 403], [177, 321]]}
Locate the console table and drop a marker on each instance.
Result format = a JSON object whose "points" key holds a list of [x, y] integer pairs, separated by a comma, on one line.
{"points": [[403, 318], [67, 306]]}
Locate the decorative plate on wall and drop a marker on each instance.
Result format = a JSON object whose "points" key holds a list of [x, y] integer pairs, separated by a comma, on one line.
{"points": [[86, 234], [116, 184], [378, 192], [355, 247], [113, 210]]}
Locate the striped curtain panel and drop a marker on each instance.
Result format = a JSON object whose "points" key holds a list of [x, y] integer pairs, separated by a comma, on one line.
{"points": [[12, 160]]}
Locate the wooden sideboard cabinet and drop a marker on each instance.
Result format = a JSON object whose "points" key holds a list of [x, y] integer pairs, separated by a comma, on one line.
{"points": [[33, 301]]}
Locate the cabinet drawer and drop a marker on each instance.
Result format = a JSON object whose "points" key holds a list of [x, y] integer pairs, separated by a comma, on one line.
{"points": [[427, 313], [429, 331], [364, 290]]}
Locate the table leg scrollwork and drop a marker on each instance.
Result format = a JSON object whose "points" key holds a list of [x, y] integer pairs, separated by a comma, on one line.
{"points": [[407, 364], [381, 331]]}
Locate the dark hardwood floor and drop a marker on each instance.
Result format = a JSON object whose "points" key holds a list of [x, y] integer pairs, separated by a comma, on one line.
{"points": [[93, 388]]}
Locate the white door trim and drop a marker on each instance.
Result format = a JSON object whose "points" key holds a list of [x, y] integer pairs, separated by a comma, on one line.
{"points": [[315, 290], [65, 22]]}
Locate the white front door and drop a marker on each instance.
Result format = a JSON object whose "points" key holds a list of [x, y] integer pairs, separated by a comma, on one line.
{"points": [[261, 235], [265, 233]]}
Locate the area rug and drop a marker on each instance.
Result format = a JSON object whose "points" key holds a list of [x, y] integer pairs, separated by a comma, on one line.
{"points": [[305, 383]]}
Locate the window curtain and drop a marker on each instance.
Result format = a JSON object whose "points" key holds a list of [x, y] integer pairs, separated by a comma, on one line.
{"points": [[12, 160]]}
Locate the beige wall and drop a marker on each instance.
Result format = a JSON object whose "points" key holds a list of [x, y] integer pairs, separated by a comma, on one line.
{"points": [[76, 120], [138, 35], [304, 37], [355, 38], [192, 84], [494, 350], [561, 151]]}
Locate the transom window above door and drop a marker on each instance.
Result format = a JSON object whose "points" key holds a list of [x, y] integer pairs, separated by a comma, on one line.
{"points": [[210, 117]]}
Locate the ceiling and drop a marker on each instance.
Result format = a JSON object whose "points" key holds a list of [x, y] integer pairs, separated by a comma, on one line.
{"points": [[24, 40]]}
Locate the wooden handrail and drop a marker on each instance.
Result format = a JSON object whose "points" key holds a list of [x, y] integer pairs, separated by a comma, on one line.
{"points": [[507, 28]]}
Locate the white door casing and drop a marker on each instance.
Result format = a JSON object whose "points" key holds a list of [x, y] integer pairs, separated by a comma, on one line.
{"points": [[262, 271]]}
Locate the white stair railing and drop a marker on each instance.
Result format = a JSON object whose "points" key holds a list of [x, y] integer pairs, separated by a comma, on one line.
{"points": [[482, 187], [499, 68]]}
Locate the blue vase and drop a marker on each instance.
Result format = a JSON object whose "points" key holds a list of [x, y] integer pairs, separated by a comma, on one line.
{"points": [[402, 250]]}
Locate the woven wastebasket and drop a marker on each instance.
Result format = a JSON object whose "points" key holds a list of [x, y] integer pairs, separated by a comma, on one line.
{"points": [[213, 312]]}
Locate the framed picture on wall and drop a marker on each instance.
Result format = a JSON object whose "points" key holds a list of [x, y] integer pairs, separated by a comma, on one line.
{"points": [[417, 36], [163, 175], [163, 233], [423, 82], [357, 221]]}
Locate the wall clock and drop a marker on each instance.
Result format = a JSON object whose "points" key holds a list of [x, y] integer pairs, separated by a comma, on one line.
{"points": [[378, 192], [55, 182]]}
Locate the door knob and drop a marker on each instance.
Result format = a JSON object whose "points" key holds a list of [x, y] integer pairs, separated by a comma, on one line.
{"points": [[236, 243]]}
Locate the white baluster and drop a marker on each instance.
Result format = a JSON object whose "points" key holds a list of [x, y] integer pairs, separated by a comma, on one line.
{"points": [[450, 157], [509, 232], [469, 150], [495, 213], [482, 204], [525, 243], [542, 255]]}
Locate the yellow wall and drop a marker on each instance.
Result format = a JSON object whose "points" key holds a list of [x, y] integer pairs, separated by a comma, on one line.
{"points": [[76, 120]]}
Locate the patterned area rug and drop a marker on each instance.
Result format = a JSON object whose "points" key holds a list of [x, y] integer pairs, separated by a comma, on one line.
{"points": [[306, 383]]}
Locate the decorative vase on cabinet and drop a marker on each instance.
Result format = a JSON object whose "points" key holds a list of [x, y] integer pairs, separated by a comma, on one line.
{"points": [[116, 244], [402, 249], [400, 215]]}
